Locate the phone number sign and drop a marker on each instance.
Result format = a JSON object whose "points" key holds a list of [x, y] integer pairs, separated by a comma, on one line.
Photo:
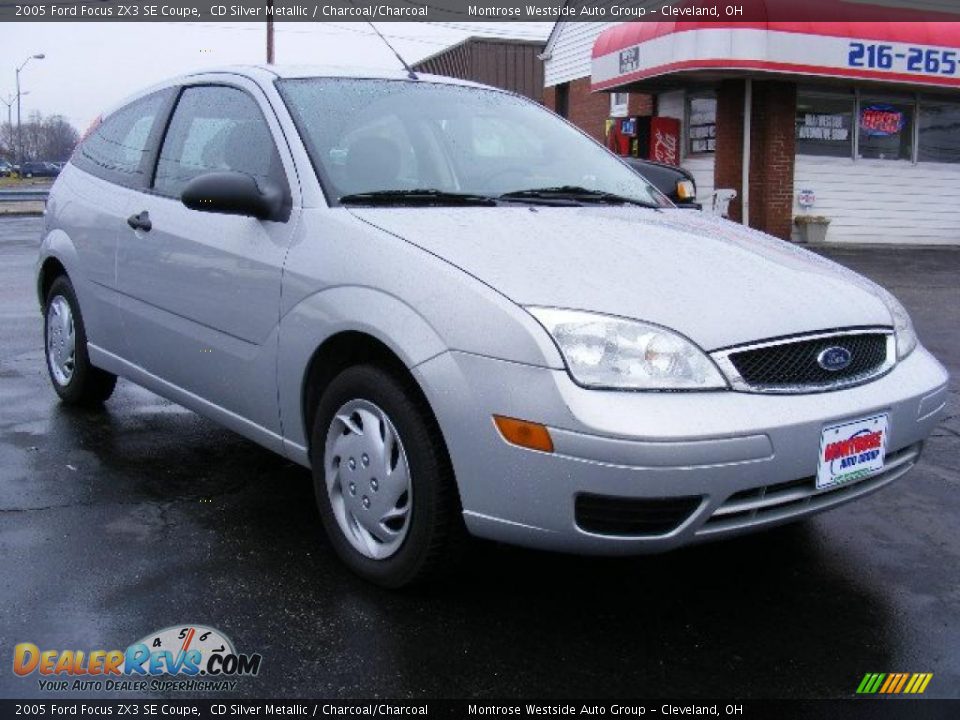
{"points": [[904, 59]]}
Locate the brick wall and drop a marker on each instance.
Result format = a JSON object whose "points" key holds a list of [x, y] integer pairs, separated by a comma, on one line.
{"points": [[728, 158], [589, 110], [773, 148], [550, 98], [639, 104]]}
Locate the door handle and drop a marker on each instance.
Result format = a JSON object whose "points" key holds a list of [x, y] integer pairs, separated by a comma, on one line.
{"points": [[140, 221]]}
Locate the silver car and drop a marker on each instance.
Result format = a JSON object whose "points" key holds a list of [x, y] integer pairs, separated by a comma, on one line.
{"points": [[467, 317]]}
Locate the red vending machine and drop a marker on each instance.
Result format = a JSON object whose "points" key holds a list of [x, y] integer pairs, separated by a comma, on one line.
{"points": [[650, 138]]}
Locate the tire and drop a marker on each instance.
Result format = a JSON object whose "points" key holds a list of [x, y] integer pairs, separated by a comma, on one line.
{"points": [[76, 381], [356, 483]]}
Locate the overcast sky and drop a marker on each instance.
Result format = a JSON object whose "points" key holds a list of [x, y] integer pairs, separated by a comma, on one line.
{"points": [[90, 66]]}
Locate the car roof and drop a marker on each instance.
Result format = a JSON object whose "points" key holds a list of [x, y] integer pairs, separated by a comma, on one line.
{"points": [[267, 73]]}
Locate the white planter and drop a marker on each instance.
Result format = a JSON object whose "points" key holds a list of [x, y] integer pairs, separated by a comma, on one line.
{"points": [[812, 232]]}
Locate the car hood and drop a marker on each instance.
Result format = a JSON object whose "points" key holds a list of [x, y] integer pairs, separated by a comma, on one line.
{"points": [[714, 281]]}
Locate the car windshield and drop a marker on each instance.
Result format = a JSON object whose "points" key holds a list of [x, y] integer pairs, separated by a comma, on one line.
{"points": [[381, 139]]}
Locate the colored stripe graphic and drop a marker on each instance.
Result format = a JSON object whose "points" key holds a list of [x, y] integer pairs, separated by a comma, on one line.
{"points": [[894, 683]]}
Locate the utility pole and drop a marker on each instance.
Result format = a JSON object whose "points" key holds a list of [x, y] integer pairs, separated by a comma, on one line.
{"points": [[38, 56], [269, 32]]}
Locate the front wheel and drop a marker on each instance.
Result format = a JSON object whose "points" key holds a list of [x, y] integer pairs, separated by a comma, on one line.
{"points": [[383, 481], [76, 381]]}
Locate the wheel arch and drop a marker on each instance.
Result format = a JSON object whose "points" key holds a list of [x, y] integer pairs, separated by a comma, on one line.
{"points": [[343, 350], [58, 256], [50, 269], [326, 332]]}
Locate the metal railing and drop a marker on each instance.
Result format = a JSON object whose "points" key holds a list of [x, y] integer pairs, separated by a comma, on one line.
{"points": [[23, 194]]}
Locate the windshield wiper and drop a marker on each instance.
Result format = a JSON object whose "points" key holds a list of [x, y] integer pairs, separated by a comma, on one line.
{"points": [[420, 196], [574, 192]]}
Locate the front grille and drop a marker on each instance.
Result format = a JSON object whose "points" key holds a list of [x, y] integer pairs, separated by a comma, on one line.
{"points": [[794, 364], [632, 517], [757, 506]]}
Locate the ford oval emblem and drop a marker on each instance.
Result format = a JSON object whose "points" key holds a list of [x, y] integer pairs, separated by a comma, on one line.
{"points": [[834, 359]]}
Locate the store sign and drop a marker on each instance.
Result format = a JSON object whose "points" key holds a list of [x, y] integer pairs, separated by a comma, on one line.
{"points": [[904, 58], [817, 126], [881, 120], [656, 49], [629, 59], [806, 198]]}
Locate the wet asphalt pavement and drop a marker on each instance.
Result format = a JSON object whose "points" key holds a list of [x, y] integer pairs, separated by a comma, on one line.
{"points": [[117, 524]]}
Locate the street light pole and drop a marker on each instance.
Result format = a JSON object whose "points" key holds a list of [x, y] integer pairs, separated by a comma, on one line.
{"points": [[39, 56]]}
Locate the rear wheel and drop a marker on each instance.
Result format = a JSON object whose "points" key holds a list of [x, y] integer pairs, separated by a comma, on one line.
{"points": [[76, 381], [383, 481]]}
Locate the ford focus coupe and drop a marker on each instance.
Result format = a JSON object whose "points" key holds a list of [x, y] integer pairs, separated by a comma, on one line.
{"points": [[465, 317]]}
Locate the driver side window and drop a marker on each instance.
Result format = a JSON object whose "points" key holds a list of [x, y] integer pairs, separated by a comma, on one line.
{"points": [[216, 128]]}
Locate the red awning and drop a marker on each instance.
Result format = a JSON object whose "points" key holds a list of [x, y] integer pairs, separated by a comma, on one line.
{"points": [[891, 50]]}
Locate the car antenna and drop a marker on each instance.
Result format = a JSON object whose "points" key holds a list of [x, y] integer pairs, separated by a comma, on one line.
{"points": [[410, 73]]}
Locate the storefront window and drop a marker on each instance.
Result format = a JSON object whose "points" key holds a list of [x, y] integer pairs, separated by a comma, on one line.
{"points": [[618, 104], [702, 127], [885, 129], [939, 132], [825, 126]]}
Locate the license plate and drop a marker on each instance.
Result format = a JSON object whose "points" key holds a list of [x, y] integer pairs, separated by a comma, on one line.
{"points": [[852, 451]]}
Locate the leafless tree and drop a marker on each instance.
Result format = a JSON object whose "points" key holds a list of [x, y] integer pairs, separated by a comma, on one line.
{"points": [[50, 138]]}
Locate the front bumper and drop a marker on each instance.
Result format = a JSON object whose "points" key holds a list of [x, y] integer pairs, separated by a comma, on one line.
{"points": [[739, 460]]}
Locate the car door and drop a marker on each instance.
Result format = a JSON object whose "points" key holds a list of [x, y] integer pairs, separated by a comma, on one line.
{"points": [[203, 289], [89, 203]]}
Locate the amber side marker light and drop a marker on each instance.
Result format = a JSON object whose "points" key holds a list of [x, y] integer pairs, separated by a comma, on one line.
{"points": [[685, 190], [524, 434]]}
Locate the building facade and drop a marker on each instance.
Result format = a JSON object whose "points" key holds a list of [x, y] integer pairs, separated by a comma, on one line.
{"points": [[854, 122], [513, 65]]}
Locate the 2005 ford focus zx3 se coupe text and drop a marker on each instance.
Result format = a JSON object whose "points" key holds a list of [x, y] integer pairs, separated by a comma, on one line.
{"points": [[467, 317]]}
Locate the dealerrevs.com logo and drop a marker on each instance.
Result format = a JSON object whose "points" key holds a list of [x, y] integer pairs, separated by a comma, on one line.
{"points": [[185, 657]]}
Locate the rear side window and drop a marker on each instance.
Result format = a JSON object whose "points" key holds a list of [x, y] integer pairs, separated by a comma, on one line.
{"points": [[118, 150], [216, 128]]}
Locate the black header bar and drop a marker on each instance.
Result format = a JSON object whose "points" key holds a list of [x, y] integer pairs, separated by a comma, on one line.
{"points": [[470, 10]]}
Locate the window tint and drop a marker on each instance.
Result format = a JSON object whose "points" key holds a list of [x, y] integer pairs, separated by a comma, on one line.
{"points": [[116, 149], [940, 132], [215, 129], [824, 126]]}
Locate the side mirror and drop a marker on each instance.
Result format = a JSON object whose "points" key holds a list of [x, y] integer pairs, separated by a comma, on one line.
{"points": [[233, 193]]}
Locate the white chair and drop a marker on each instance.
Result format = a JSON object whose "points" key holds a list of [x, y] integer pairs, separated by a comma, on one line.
{"points": [[720, 201]]}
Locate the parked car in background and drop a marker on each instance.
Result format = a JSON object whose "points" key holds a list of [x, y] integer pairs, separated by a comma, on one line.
{"points": [[402, 285], [6, 169], [675, 182], [39, 169]]}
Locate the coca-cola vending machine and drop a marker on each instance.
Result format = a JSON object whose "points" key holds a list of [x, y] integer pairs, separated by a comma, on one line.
{"points": [[650, 138]]}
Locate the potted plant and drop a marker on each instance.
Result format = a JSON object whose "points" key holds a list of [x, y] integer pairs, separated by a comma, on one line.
{"points": [[811, 228]]}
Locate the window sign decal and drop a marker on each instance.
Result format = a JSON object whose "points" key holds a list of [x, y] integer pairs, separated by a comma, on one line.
{"points": [[881, 120]]}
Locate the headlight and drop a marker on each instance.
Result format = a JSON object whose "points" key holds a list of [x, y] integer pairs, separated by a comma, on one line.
{"points": [[902, 325], [602, 351]]}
